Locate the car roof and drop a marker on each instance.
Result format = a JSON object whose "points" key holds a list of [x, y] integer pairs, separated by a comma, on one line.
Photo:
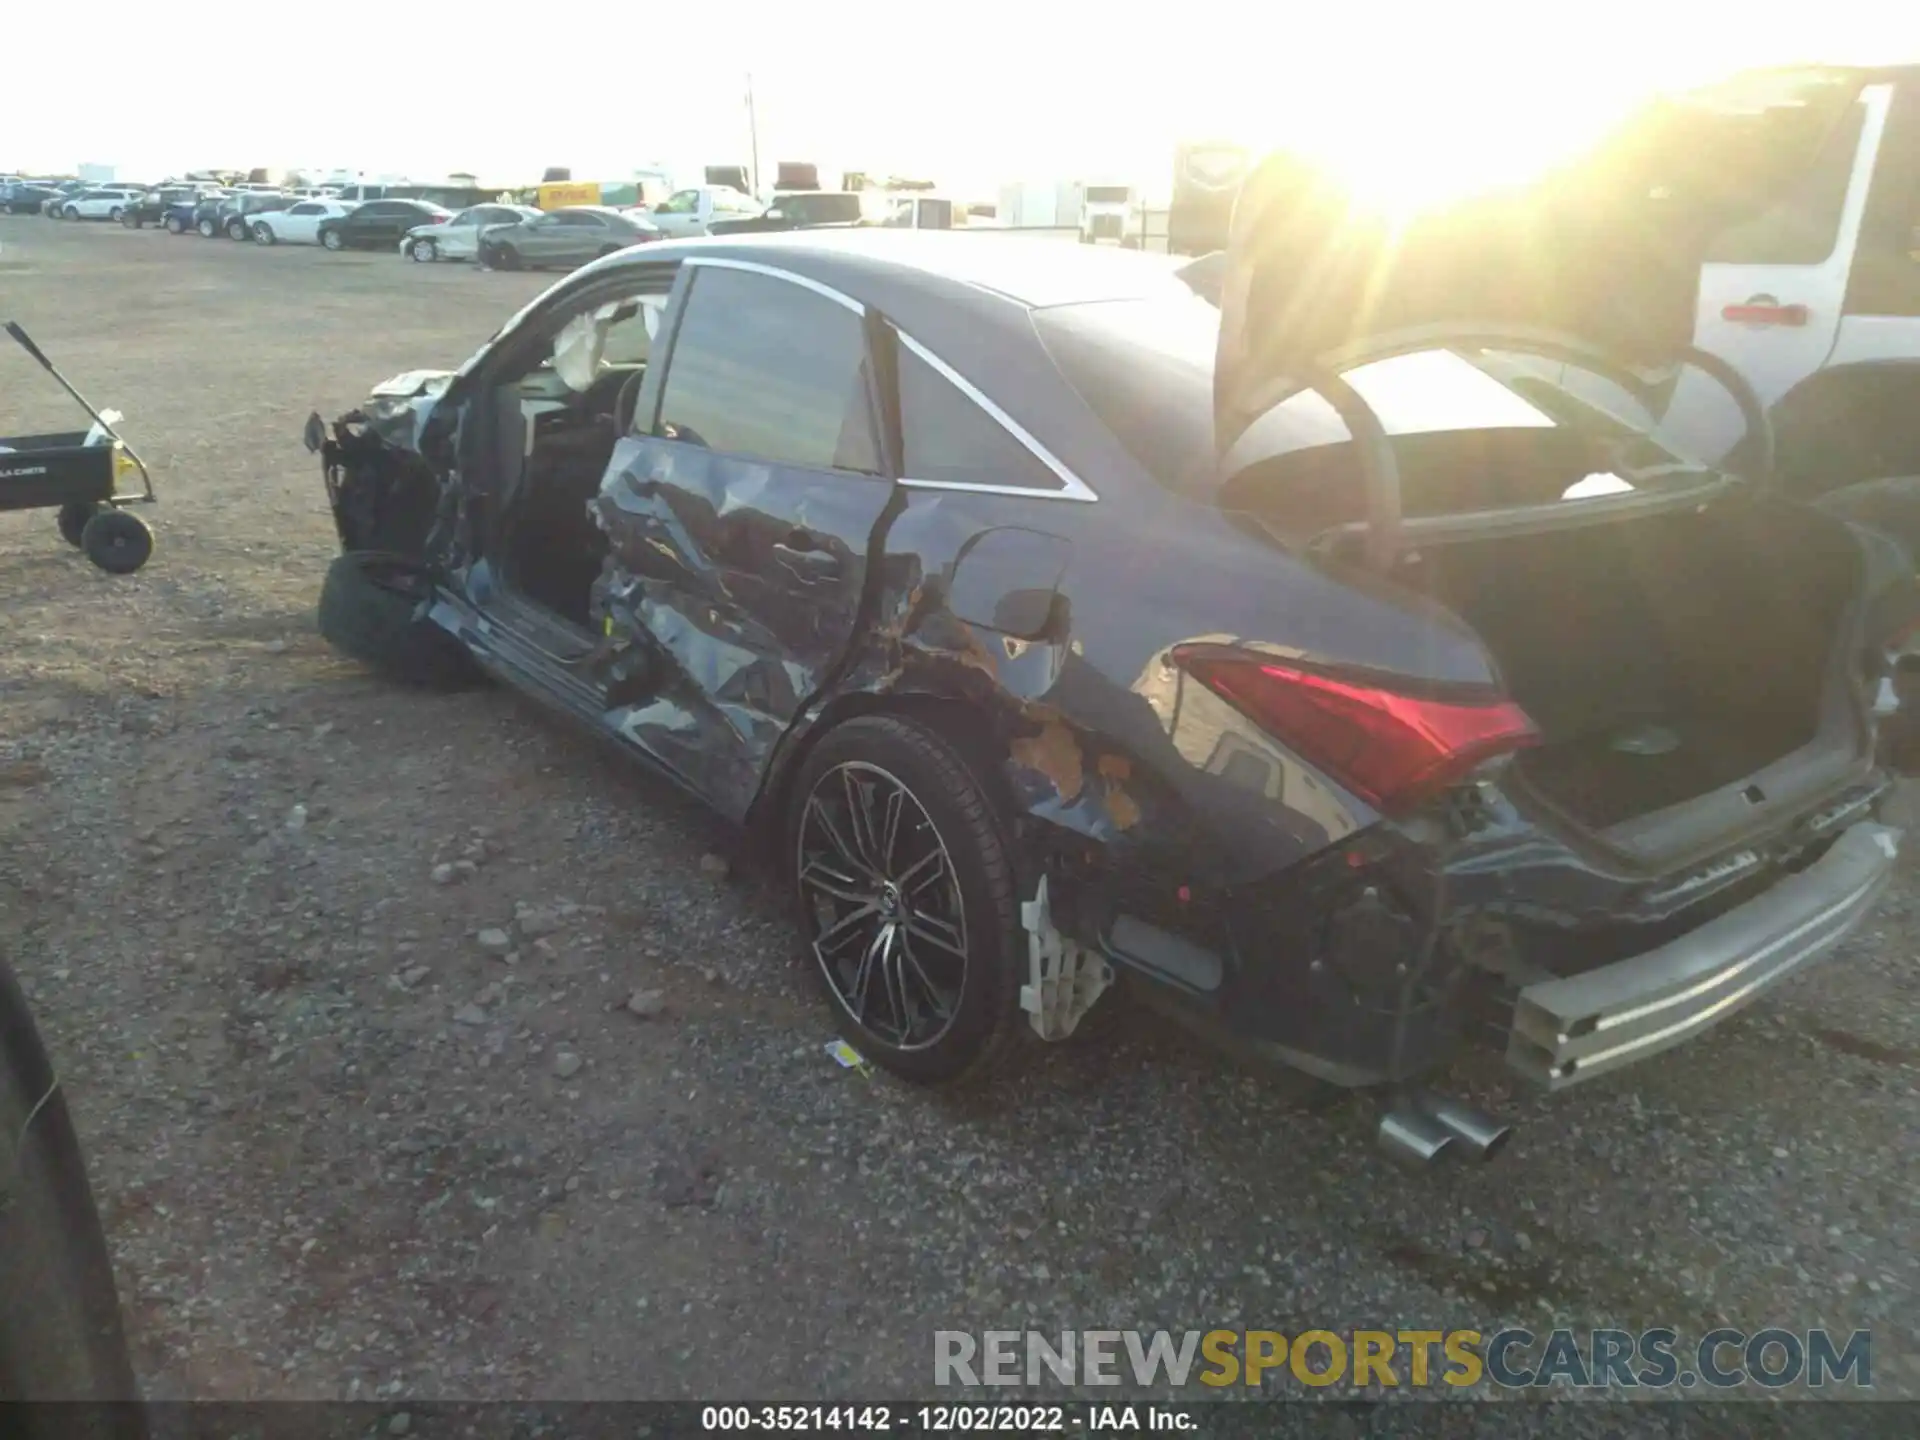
{"points": [[1032, 272]]}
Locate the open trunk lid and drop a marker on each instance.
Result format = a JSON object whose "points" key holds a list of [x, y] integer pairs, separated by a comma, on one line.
{"points": [[1603, 254]]}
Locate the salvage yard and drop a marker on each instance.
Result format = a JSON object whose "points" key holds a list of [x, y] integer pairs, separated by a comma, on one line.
{"points": [[347, 1144]]}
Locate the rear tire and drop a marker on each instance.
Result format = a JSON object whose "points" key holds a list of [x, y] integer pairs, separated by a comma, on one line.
{"points": [[115, 213], [236, 229], [175, 225], [945, 819], [208, 229], [423, 252], [129, 219], [330, 240], [505, 257], [263, 234], [370, 609], [117, 542], [73, 519]]}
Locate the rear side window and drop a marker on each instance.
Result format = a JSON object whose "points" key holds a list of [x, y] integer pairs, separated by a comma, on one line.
{"points": [[950, 440], [1804, 226], [765, 368]]}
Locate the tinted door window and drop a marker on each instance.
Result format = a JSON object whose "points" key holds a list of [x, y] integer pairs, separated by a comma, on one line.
{"points": [[949, 438], [766, 368], [1802, 228], [308, 209], [683, 203]]}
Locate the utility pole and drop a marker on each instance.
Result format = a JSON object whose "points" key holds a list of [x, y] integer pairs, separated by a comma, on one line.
{"points": [[753, 139]]}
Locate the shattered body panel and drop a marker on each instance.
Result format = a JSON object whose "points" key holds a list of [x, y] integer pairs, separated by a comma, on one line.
{"points": [[744, 609]]}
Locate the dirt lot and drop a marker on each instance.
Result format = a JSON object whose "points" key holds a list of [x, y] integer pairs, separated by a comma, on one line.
{"points": [[330, 1136]]}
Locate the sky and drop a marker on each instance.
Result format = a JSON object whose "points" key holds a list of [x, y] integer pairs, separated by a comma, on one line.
{"points": [[970, 96]]}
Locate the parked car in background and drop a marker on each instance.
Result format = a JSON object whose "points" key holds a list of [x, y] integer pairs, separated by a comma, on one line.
{"points": [[27, 198], [378, 224], [63, 190], [690, 212], [458, 236], [804, 208], [105, 203], [237, 213], [564, 238], [299, 223], [152, 207], [181, 217]]}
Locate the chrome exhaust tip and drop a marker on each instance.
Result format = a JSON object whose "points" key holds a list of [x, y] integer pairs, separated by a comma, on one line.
{"points": [[1413, 1137], [1479, 1133]]}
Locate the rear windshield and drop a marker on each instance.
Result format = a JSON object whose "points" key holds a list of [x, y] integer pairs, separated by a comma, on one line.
{"points": [[1108, 194], [1145, 368], [1474, 429]]}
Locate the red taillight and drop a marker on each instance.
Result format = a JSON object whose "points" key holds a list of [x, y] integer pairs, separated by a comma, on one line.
{"points": [[1392, 750]]}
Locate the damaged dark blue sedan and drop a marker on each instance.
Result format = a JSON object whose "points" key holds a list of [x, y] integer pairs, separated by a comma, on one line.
{"points": [[1366, 644]]}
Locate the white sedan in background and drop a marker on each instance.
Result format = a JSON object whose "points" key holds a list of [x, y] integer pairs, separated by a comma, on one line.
{"points": [[297, 224], [458, 236]]}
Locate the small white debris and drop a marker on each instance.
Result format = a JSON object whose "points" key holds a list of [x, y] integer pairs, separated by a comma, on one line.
{"points": [[470, 1015], [714, 865], [414, 974], [400, 1424], [443, 874], [297, 818], [566, 1064], [647, 1004], [495, 941]]}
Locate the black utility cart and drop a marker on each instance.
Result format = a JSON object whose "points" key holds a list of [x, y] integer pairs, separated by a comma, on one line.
{"points": [[79, 472]]}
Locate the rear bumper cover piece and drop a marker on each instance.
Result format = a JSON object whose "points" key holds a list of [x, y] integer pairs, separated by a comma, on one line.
{"points": [[1569, 1030]]}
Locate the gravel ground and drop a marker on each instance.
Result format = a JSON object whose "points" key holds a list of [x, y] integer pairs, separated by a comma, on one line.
{"points": [[346, 1149]]}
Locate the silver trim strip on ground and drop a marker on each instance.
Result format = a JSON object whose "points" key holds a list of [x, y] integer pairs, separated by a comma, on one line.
{"points": [[1569, 1030]]}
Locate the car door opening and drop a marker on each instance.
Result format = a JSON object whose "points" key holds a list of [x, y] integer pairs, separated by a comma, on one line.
{"points": [[572, 409]]}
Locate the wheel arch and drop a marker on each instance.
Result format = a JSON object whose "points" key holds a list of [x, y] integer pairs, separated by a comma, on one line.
{"points": [[1066, 794], [947, 715], [1866, 407]]}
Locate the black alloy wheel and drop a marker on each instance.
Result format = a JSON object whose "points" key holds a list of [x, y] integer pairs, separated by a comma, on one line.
{"points": [[907, 896]]}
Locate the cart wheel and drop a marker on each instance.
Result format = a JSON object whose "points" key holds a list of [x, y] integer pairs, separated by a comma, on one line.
{"points": [[74, 516], [117, 542]]}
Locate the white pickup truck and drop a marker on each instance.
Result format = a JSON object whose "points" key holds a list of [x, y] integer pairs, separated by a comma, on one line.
{"points": [[1817, 303], [690, 212]]}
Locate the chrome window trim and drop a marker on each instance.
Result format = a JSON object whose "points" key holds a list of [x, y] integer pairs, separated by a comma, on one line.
{"points": [[1072, 486], [754, 267]]}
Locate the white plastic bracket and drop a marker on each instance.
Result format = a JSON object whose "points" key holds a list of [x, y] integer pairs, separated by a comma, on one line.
{"points": [[1064, 977]]}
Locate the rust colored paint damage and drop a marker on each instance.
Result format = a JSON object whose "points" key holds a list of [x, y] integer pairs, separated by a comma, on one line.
{"points": [[973, 652], [1055, 754], [1122, 808]]}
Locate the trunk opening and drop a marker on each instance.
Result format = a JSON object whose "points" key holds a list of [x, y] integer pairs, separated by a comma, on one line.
{"points": [[1667, 657]]}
